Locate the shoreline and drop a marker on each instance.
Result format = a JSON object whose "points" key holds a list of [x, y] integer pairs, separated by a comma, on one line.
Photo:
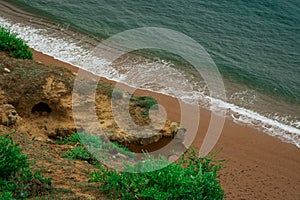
{"points": [[259, 166], [239, 114]]}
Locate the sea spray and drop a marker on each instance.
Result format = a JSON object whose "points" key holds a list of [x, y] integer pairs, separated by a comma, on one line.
{"points": [[69, 50]]}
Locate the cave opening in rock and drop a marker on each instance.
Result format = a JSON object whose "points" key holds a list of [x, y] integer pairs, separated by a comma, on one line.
{"points": [[41, 108]]}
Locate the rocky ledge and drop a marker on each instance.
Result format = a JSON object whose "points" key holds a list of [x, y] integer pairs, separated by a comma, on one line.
{"points": [[37, 100]]}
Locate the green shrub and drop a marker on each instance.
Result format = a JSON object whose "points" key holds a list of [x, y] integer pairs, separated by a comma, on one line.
{"points": [[79, 153], [9, 42], [87, 144], [11, 159], [144, 101], [105, 88], [190, 178], [16, 178], [6, 196], [109, 90], [72, 139]]}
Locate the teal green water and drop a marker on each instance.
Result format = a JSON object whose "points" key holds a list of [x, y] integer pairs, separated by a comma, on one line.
{"points": [[255, 43]]}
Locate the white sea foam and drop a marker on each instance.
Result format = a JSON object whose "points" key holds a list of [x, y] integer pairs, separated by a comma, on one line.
{"points": [[68, 50]]}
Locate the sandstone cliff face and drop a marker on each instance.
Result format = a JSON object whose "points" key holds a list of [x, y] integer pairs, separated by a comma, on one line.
{"points": [[37, 100], [8, 115]]}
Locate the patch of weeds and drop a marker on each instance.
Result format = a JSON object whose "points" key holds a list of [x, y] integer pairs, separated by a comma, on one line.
{"points": [[109, 90], [144, 101], [88, 144], [6, 196], [105, 88], [121, 147], [59, 193], [189, 178], [78, 153], [16, 178], [72, 139], [16, 48]]}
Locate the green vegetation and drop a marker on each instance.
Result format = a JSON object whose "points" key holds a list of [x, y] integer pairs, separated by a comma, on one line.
{"points": [[109, 90], [190, 178], [87, 144], [144, 101], [14, 46], [78, 153], [72, 139], [17, 181], [105, 88]]}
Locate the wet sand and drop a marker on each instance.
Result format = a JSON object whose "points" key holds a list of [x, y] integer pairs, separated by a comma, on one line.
{"points": [[258, 166]]}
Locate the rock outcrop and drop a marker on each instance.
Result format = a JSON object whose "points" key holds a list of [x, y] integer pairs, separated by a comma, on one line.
{"points": [[8, 115], [42, 96]]}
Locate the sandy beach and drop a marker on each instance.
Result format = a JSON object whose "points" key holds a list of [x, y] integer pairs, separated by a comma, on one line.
{"points": [[258, 166]]}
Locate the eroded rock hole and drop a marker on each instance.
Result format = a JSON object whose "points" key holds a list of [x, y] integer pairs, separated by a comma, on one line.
{"points": [[41, 108]]}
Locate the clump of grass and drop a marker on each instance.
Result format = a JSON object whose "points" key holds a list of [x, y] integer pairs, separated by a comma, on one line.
{"points": [[78, 153], [105, 88], [109, 90], [87, 144], [190, 178], [144, 101], [14, 46], [71, 140], [17, 181], [6, 196]]}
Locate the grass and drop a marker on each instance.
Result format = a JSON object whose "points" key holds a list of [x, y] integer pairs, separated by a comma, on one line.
{"points": [[17, 180], [86, 144], [78, 153], [109, 90], [144, 101], [190, 178], [14, 46]]}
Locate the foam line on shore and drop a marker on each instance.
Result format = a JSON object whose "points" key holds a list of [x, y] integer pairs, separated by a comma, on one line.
{"points": [[67, 50]]}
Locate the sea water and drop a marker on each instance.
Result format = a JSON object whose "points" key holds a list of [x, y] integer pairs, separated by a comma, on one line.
{"points": [[255, 45]]}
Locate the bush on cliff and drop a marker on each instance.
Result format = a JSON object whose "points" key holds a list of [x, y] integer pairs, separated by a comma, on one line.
{"points": [[17, 181], [189, 178], [144, 101], [14, 46]]}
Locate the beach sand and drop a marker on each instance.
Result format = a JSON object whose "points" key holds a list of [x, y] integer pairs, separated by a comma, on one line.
{"points": [[258, 166]]}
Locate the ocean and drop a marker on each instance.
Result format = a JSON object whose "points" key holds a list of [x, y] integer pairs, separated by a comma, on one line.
{"points": [[255, 45]]}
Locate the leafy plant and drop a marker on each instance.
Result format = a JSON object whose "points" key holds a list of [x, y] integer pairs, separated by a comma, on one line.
{"points": [[72, 139], [79, 153], [144, 101], [105, 88], [11, 158], [190, 178], [6, 196], [9, 42], [16, 178], [87, 144]]}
